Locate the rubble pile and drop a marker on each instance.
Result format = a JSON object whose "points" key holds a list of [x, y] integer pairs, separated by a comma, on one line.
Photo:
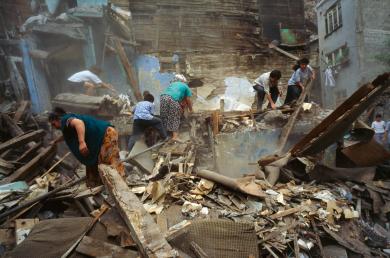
{"points": [[327, 195], [309, 215]]}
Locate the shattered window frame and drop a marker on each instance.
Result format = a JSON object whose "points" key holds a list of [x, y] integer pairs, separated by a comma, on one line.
{"points": [[338, 56], [333, 19]]}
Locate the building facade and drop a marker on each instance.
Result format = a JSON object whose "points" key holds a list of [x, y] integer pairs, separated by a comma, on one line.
{"points": [[354, 35]]}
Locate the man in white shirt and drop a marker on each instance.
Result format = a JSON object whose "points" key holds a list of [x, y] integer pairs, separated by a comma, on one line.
{"points": [[88, 79], [267, 85], [379, 127]]}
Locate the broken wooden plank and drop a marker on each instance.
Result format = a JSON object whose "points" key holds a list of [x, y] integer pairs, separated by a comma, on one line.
{"points": [[98, 215], [32, 202], [286, 212], [21, 110], [22, 140], [338, 122], [244, 185], [6, 167], [215, 122], [143, 229], [293, 117], [129, 69], [273, 46], [97, 248], [29, 153], [7, 123], [318, 240], [28, 168], [276, 233], [296, 246], [23, 228]]}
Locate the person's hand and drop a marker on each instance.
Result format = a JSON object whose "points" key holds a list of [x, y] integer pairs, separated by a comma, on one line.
{"points": [[83, 149], [273, 106]]}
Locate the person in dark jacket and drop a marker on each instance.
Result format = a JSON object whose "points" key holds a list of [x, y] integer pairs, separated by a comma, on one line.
{"points": [[91, 141]]}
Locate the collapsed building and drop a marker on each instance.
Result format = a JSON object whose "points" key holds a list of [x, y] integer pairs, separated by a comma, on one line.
{"points": [[297, 181]]}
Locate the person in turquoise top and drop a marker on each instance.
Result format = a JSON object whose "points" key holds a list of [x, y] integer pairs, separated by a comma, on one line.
{"points": [[173, 101], [91, 141]]}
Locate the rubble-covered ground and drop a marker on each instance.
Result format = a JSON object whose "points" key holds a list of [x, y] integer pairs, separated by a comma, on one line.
{"points": [[177, 200]]}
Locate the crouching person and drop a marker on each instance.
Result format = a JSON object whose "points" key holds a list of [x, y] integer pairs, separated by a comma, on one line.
{"points": [[267, 85], [91, 141], [144, 118]]}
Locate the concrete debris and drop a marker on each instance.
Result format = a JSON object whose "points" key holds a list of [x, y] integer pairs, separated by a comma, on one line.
{"points": [[290, 180]]}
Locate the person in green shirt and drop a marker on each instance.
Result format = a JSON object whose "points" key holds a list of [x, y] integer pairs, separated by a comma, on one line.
{"points": [[90, 140], [173, 101]]}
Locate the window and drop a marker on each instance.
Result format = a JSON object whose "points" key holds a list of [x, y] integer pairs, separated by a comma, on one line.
{"points": [[337, 57], [333, 18]]}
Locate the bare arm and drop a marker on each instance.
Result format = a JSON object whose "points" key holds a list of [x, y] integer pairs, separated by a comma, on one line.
{"points": [[189, 104], [107, 86], [273, 106], [79, 126], [313, 74]]}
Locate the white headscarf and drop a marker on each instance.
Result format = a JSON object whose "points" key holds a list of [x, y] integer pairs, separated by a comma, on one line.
{"points": [[179, 78]]}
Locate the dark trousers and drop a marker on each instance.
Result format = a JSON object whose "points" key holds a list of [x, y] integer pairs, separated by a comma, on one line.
{"points": [[274, 91], [293, 93], [139, 127]]}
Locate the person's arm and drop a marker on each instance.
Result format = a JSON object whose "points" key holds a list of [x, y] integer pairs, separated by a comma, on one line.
{"points": [[107, 86], [313, 73], [189, 103], [79, 126], [273, 106]]}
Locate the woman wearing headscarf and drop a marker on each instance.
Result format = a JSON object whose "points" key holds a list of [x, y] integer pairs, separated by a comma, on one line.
{"points": [[174, 100], [91, 141]]}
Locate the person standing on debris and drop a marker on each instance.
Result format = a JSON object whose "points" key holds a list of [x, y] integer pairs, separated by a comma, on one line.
{"points": [[302, 73], [174, 100], [91, 141], [144, 118], [379, 127], [89, 80], [267, 85]]}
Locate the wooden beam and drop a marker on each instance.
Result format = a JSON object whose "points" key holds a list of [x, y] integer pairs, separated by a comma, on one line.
{"points": [[272, 46], [21, 110], [29, 153], [215, 122], [13, 128], [131, 75], [340, 119], [97, 248], [28, 168], [143, 229], [286, 212], [32, 202], [22, 140], [293, 117]]}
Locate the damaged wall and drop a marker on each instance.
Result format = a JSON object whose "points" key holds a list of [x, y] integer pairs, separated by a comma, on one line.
{"points": [[213, 40], [361, 38], [196, 25]]}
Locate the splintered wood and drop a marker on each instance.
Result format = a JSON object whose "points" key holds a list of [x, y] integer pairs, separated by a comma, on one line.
{"points": [[143, 229]]}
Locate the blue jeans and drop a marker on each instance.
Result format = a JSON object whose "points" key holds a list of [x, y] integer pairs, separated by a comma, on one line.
{"points": [[139, 127], [379, 138], [274, 91]]}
